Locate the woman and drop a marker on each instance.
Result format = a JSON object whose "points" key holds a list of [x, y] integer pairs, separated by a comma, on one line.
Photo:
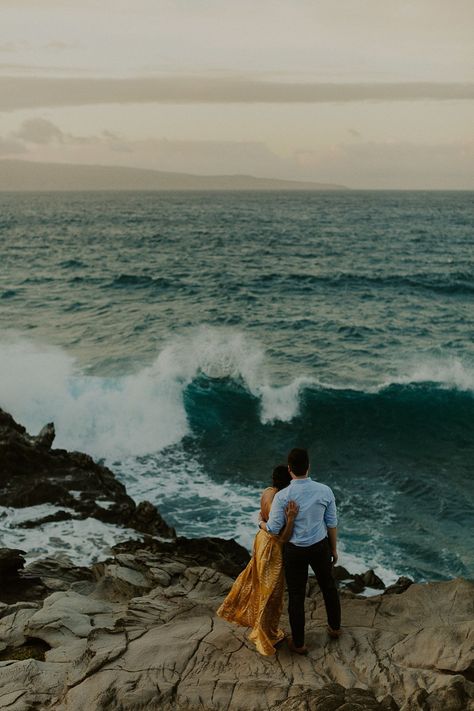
{"points": [[256, 597]]}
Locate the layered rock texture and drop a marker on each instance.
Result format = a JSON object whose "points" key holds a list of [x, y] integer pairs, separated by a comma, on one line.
{"points": [[33, 473], [139, 631]]}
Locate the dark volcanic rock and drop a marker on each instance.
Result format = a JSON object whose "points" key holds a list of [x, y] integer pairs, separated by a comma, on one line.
{"points": [[14, 584], [57, 573], [11, 562], [341, 573], [365, 580], [32, 473], [51, 518], [357, 583], [334, 697], [400, 586], [46, 436], [226, 556]]}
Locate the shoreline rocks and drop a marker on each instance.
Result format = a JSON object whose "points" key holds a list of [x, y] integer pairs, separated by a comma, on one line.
{"points": [[138, 630], [31, 473]]}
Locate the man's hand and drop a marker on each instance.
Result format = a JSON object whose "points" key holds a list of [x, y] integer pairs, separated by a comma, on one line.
{"points": [[332, 535], [291, 510]]}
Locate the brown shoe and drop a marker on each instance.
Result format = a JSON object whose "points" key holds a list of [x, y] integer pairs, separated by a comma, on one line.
{"points": [[297, 650], [335, 634]]}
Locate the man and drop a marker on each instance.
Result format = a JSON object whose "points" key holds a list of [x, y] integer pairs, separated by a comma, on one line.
{"points": [[313, 542]]}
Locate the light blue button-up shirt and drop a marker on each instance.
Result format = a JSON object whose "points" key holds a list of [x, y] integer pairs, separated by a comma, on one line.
{"points": [[317, 511]]}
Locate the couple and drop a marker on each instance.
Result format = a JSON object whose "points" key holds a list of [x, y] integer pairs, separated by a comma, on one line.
{"points": [[298, 528]]}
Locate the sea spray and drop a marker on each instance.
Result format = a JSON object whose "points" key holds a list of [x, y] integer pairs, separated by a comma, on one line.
{"points": [[203, 335]]}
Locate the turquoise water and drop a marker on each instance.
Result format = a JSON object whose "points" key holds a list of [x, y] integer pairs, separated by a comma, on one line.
{"points": [[190, 340]]}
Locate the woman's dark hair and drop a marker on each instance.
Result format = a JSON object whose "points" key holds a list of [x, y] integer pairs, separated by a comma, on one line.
{"points": [[281, 477]]}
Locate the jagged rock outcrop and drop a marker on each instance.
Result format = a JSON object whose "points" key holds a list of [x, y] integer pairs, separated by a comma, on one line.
{"points": [[33, 473], [226, 556], [139, 631], [15, 584]]}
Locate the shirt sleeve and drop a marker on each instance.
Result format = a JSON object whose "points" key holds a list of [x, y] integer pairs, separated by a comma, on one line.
{"points": [[276, 519], [330, 515]]}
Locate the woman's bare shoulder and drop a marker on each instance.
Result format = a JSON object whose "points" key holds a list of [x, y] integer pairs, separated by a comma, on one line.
{"points": [[266, 499]]}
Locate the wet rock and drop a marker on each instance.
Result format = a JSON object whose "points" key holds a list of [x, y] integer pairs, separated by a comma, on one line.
{"points": [[16, 585], [400, 586], [341, 573], [32, 473], [139, 630], [159, 645], [46, 436], [226, 556], [388, 703], [365, 580], [333, 697], [11, 562], [50, 518], [58, 572], [371, 580]]}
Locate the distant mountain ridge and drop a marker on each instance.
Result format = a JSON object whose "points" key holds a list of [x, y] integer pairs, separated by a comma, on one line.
{"points": [[21, 175]]}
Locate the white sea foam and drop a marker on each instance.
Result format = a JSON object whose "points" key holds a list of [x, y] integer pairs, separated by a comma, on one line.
{"points": [[138, 413], [190, 499], [125, 418], [83, 541], [144, 412], [358, 564], [133, 414], [445, 372], [199, 506]]}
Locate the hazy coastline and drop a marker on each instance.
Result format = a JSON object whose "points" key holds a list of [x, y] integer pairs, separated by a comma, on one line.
{"points": [[20, 175]]}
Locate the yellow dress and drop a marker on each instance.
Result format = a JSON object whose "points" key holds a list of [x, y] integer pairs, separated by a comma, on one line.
{"points": [[256, 598]]}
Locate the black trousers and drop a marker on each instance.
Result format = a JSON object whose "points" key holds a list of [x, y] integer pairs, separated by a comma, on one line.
{"points": [[296, 560]]}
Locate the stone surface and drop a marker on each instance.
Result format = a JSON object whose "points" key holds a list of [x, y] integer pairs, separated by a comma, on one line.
{"points": [[145, 636], [16, 585], [227, 556], [139, 631], [46, 436], [33, 473]]}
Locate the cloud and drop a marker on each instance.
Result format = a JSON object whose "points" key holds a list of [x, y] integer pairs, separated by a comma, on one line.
{"points": [[44, 132], [22, 46], [202, 157], [34, 92], [10, 147], [35, 68], [39, 130], [13, 46], [393, 165], [207, 157], [59, 45], [358, 163]]}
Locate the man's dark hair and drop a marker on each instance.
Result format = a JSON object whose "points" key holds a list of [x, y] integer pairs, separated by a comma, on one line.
{"points": [[281, 477], [298, 461]]}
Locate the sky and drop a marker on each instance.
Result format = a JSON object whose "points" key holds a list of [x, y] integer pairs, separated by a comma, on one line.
{"points": [[364, 93]]}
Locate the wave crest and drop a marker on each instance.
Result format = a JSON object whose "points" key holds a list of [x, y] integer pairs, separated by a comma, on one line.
{"points": [[156, 407]]}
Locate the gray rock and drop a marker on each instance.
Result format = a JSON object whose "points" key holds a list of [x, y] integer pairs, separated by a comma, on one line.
{"points": [[33, 473], [46, 436], [159, 645]]}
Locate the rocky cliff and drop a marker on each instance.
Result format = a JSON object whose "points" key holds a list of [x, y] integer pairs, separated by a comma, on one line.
{"points": [[139, 631]]}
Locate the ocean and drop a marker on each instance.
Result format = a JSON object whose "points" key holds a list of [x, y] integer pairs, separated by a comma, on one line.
{"points": [[189, 340]]}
